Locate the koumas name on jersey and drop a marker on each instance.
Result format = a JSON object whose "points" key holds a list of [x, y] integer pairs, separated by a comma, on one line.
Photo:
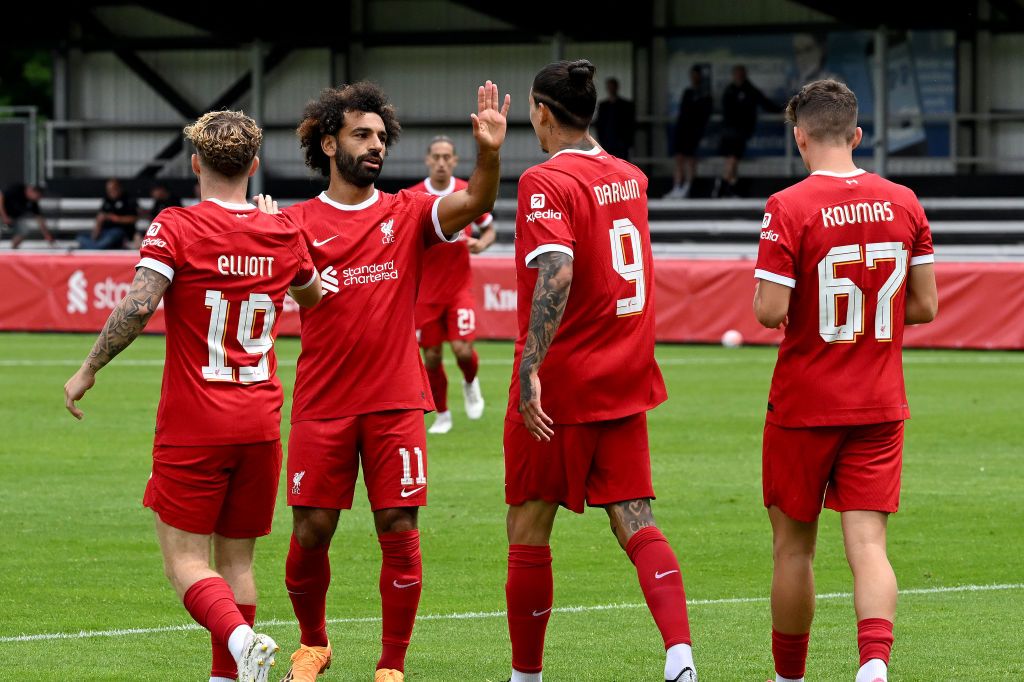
{"points": [[600, 365], [845, 244], [230, 267], [446, 269], [359, 351]]}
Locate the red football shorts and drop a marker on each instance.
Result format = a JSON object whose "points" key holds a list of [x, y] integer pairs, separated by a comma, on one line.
{"points": [[324, 457], [598, 463], [440, 322], [850, 467], [229, 490]]}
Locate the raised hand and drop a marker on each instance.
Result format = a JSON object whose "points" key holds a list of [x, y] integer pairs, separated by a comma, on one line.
{"points": [[489, 123]]}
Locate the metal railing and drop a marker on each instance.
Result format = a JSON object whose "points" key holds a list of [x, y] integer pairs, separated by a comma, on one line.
{"points": [[788, 163]]}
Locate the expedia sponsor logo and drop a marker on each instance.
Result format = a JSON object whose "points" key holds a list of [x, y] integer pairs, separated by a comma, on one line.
{"points": [[863, 212], [770, 235], [549, 214], [369, 274], [150, 241]]}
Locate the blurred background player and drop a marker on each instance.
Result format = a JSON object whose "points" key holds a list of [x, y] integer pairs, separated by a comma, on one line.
{"points": [[360, 387], [19, 208], [585, 276], [691, 122], [444, 305], [845, 261], [222, 269]]}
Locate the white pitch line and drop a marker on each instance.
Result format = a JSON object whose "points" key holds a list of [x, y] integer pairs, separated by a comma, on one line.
{"points": [[477, 615]]}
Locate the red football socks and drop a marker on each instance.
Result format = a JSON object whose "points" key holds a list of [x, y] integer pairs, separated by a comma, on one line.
{"points": [[223, 662], [469, 367], [661, 582], [401, 581], [307, 575], [874, 638], [790, 654], [439, 387], [529, 593], [212, 604]]}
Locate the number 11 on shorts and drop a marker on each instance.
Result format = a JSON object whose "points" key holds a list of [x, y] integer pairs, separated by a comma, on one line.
{"points": [[407, 478]]}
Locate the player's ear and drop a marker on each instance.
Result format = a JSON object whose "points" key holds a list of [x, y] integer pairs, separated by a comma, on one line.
{"points": [[858, 135], [329, 145], [255, 166], [195, 165], [800, 137]]}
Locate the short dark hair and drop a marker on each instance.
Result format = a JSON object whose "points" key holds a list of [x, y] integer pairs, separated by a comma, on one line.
{"points": [[326, 116], [567, 89], [441, 138], [826, 110]]}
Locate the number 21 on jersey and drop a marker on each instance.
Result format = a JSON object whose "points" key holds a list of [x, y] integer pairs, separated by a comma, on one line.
{"points": [[255, 344]]}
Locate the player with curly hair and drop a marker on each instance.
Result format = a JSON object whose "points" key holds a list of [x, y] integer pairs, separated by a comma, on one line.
{"points": [[360, 387]]}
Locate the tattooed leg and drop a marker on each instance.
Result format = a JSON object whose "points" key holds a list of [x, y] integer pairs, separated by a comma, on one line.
{"points": [[628, 517]]}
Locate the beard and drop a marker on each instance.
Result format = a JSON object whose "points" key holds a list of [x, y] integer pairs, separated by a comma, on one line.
{"points": [[352, 170]]}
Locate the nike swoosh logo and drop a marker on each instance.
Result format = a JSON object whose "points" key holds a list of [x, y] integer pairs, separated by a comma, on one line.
{"points": [[410, 493], [541, 613], [659, 576], [402, 587], [317, 242]]}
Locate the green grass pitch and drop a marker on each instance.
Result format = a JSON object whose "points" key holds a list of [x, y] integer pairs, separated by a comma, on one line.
{"points": [[79, 554]]}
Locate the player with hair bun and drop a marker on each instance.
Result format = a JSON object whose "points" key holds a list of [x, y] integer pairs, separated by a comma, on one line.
{"points": [[586, 334]]}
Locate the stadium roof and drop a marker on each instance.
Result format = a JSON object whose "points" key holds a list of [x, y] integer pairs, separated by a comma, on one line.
{"points": [[132, 25]]}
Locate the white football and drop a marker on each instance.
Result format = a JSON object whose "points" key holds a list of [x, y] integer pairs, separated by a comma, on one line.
{"points": [[732, 339]]}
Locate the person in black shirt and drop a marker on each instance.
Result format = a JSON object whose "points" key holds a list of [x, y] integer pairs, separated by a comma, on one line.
{"points": [[616, 122], [115, 223], [740, 103], [162, 198], [692, 121], [19, 209]]}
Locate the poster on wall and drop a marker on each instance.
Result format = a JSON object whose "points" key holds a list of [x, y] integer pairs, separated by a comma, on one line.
{"points": [[921, 74]]}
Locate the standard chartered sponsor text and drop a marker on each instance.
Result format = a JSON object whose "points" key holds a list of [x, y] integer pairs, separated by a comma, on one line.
{"points": [[369, 274]]}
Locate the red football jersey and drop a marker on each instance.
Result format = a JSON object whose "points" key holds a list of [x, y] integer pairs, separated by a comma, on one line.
{"points": [[359, 351], [446, 269], [601, 363], [230, 267], [845, 244]]}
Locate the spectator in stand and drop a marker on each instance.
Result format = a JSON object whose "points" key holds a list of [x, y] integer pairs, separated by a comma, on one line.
{"points": [[740, 103], [115, 223], [162, 198], [19, 209], [616, 122], [694, 112]]}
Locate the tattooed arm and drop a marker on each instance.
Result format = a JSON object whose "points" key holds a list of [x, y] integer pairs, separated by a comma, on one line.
{"points": [[123, 326], [554, 277]]}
